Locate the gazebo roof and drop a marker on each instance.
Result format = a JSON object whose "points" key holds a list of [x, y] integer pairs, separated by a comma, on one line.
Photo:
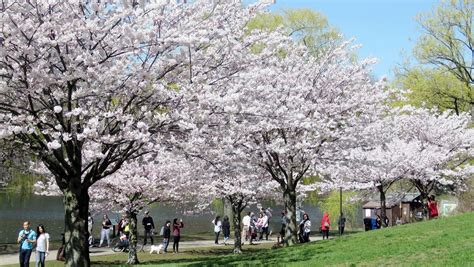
{"points": [[392, 200]]}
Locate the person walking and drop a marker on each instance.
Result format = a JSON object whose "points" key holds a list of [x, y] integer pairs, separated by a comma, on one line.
{"points": [[177, 233], [264, 226], [166, 236], [284, 223], [26, 239], [246, 228], [149, 227], [305, 228], [341, 223], [325, 225], [105, 232], [259, 226], [268, 213], [217, 228], [226, 229], [253, 227], [42, 245], [90, 224]]}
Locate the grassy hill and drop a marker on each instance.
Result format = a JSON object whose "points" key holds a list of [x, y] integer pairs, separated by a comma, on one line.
{"points": [[441, 242]]}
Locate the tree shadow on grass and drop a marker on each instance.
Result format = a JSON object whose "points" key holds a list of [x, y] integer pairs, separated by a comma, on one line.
{"points": [[269, 257], [225, 257]]}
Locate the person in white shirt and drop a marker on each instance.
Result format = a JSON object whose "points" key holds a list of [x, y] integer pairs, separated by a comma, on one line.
{"points": [[42, 245], [217, 228], [263, 222], [246, 227], [90, 224], [305, 229]]}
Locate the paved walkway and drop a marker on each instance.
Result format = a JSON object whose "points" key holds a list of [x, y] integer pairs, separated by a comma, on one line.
{"points": [[7, 259]]}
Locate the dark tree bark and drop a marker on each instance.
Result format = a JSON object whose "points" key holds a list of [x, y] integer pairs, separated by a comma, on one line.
{"points": [[76, 205], [424, 190], [291, 234], [132, 252], [236, 219], [383, 204]]}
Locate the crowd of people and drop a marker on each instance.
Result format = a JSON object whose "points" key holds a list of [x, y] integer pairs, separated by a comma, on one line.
{"points": [[256, 227], [123, 231]]}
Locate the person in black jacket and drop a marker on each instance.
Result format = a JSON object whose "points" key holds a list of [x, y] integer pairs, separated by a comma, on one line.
{"points": [[226, 229], [166, 236], [149, 227]]}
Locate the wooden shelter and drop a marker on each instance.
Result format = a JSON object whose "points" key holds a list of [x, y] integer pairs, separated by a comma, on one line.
{"points": [[407, 207]]}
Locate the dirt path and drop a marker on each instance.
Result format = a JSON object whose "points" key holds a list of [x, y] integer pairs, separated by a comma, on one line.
{"points": [[7, 259]]}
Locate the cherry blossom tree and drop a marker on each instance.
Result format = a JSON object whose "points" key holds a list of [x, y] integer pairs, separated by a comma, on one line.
{"points": [[88, 85], [139, 183], [445, 143], [379, 167], [421, 146], [222, 171], [294, 113], [314, 108]]}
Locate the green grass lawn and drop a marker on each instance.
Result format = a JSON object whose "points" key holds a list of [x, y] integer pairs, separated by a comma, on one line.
{"points": [[441, 242]]}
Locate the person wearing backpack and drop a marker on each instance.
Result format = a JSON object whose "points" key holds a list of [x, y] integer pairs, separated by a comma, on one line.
{"points": [[166, 233], [26, 239]]}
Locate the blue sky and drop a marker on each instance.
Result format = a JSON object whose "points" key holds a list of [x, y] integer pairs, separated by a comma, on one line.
{"points": [[385, 28]]}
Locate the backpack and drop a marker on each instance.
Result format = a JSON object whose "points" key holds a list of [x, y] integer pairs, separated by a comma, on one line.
{"points": [[61, 254], [162, 230]]}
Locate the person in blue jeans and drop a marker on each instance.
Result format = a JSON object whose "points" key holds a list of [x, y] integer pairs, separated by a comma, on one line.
{"points": [[166, 236], [26, 239], [42, 245]]}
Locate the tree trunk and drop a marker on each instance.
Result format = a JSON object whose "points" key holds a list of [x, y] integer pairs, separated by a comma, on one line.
{"points": [[383, 205], [424, 190], [227, 208], [291, 234], [424, 202], [132, 250], [236, 210], [76, 205]]}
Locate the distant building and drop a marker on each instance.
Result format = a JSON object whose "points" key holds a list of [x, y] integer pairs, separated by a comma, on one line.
{"points": [[406, 206]]}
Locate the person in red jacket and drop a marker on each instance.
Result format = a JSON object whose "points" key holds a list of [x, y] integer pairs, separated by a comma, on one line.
{"points": [[325, 225], [432, 207]]}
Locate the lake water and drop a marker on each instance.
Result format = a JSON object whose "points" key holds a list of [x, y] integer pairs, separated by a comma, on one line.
{"points": [[49, 211]]}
